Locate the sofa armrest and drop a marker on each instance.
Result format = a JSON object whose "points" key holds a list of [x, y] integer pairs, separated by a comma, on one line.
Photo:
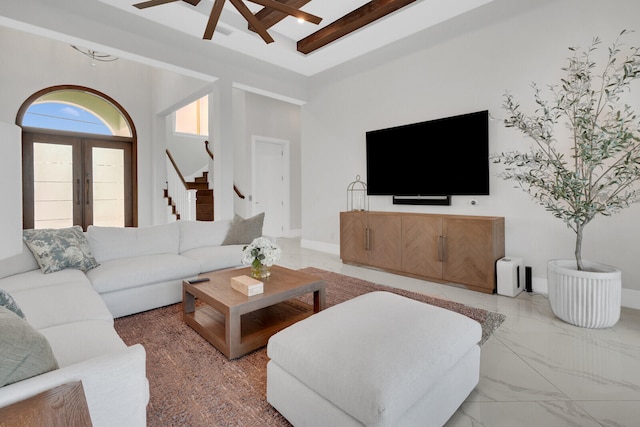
{"points": [[115, 386]]}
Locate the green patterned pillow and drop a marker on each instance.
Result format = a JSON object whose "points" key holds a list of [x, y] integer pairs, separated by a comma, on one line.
{"points": [[24, 351], [7, 301], [58, 249]]}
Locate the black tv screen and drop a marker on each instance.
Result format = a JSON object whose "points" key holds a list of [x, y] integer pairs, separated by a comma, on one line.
{"points": [[443, 157]]}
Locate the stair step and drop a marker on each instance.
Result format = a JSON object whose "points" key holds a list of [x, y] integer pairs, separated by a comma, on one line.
{"points": [[198, 185]]}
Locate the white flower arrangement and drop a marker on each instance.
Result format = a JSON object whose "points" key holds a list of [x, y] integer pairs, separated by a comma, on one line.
{"points": [[261, 251]]}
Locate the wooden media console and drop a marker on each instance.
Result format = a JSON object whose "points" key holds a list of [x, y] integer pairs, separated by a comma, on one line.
{"points": [[460, 249]]}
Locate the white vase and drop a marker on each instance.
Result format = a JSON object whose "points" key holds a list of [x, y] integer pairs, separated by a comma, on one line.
{"points": [[589, 298]]}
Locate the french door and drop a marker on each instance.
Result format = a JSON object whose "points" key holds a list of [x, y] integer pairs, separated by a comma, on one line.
{"points": [[76, 180]]}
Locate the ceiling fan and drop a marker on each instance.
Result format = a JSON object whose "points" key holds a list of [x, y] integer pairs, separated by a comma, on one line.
{"points": [[254, 22]]}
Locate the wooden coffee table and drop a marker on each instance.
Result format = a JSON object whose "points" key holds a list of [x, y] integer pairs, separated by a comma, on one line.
{"points": [[237, 324]]}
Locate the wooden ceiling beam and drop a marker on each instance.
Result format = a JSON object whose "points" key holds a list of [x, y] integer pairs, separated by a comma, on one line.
{"points": [[350, 22], [251, 19], [214, 16], [270, 17], [291, 11]]}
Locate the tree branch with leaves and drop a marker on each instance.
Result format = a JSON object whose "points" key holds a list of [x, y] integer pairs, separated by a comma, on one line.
{"points": [[601, 173]]}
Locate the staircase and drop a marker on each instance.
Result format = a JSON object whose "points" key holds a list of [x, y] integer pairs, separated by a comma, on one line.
{"points": [[190, 200], [204, 197]]}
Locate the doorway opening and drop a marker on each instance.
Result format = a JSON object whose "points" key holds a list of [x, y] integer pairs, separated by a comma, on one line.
{"points": [[78, 160]]}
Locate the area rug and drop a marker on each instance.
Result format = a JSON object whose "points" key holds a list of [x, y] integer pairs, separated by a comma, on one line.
{"points": [[193, 384]]}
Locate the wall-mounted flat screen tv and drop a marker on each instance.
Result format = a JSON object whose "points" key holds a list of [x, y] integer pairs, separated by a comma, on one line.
{"points": [[442, 157]]}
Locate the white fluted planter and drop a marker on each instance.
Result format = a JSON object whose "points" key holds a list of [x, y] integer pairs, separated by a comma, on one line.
{"points": [[590, 298]]}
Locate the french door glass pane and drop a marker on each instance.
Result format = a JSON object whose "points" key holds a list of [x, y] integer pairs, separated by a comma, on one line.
{"points": [[53, 185], [108, 187]]}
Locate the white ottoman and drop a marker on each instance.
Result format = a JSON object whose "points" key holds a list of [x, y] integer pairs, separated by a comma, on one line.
{"points": [[377, 360]]}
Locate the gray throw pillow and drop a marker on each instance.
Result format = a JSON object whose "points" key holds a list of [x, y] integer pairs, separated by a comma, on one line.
{"points": [[243, 231], [24, 351], [6, 300], [58, 249]]}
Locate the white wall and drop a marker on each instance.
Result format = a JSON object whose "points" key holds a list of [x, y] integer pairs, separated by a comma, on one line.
{"points": [[37, 63], [187, 150], [257, 115], [271, 118], [458, 67]]}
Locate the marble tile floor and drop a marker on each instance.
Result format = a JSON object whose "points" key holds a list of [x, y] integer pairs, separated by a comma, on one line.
{"points": [[535, 369]]}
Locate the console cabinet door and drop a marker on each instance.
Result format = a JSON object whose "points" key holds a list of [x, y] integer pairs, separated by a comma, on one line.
{"points": [[421, 245], [469, 252], [385, 241], [353, 226]]}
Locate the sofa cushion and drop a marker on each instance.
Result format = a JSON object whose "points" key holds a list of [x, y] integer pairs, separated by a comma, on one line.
{"points": [[212, 258], [20, 263], [36, 279], [62, 303], [59, 249], [7, 301], [243, 231], [109, 243], [24, 352], [75, 342], [131, 272], [197, 234]]}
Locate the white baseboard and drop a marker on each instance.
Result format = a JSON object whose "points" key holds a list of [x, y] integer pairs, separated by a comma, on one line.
{"points": [[539, 285], [293, 233], [630, 297], [320, 246]]}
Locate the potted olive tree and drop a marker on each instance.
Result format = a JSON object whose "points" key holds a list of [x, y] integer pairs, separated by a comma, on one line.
{"points": [[593, 170]]}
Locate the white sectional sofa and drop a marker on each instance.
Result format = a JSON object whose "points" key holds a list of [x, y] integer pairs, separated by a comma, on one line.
{"points": [[139, 269], [143, 268]]}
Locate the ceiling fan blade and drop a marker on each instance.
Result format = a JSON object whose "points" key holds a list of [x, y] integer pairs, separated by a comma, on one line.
{"points": [[146, 4], [192, 2], [288, 10], [253, 21], [216, 10]]}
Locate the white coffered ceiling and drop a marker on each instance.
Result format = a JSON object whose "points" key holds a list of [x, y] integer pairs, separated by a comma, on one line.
{"points": [[172, 33], [232, 31]]}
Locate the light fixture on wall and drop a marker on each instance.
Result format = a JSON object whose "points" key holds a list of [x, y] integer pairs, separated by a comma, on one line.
{"points": [[95, 55]]}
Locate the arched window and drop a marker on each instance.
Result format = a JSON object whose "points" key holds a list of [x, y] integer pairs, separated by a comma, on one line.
{"points": [[79, 160]]}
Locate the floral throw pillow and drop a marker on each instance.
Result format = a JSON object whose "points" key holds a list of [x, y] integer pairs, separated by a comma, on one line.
{"points": [[59, 249]]}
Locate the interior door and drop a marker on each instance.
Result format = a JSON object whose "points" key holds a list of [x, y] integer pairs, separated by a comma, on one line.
{"points": [[74, 180], [270, 188]]}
